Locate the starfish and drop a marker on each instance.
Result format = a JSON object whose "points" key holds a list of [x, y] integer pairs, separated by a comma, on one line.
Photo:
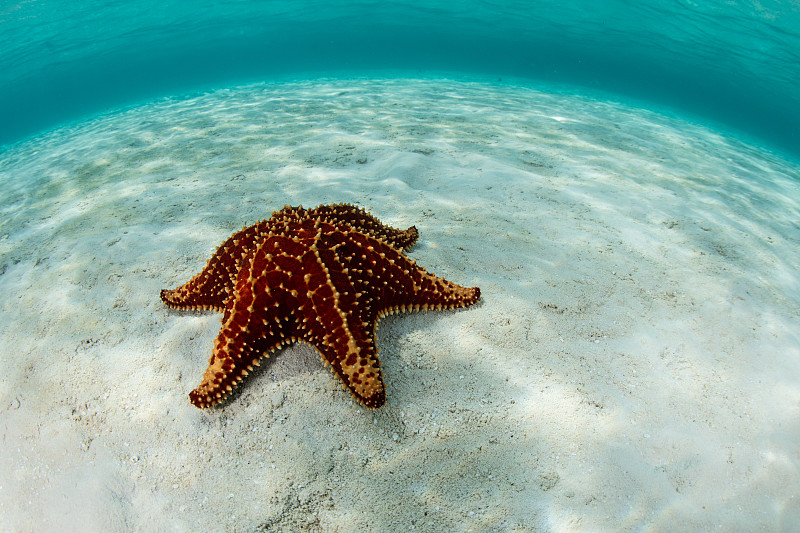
{"points": [[324, 276]]}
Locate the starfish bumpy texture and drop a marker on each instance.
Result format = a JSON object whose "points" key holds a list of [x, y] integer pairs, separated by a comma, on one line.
{"points": [[324, 276]]}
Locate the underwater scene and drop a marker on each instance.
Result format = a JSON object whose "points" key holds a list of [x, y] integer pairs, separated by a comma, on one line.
{"points": [[549, 253]]}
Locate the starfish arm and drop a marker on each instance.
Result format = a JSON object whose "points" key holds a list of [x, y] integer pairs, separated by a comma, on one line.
{"points": [[433, 292], [211, 287], [359, 370], [397, 283], [360, 220], [337, 329], [251, 329], [236, 352]]}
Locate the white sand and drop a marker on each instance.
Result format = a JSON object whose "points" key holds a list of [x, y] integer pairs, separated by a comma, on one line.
{"points": [[634, 364]]}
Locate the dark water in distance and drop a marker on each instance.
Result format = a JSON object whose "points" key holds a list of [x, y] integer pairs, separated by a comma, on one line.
{"points": [[736, 63]]}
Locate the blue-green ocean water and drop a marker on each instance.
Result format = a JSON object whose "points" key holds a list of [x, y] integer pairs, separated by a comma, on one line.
{"points": [[733, 63]]}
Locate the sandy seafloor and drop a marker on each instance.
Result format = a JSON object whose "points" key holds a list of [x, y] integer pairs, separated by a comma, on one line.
{"points": [[633, 365]]}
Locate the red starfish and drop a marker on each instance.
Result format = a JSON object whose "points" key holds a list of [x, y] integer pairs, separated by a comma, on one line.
{"points": [[324, 276]]}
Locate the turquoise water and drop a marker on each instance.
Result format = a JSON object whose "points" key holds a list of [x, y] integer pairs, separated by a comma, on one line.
{"points": [[735, 64]]}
